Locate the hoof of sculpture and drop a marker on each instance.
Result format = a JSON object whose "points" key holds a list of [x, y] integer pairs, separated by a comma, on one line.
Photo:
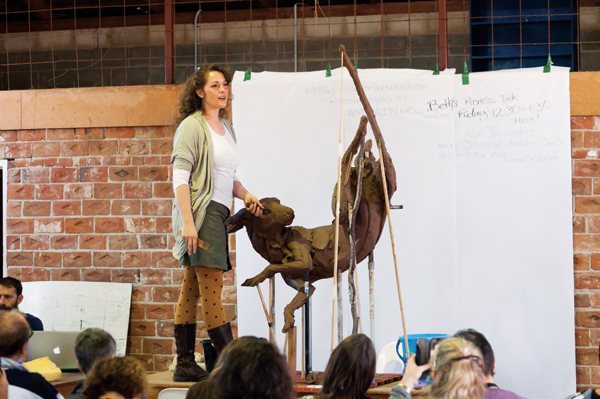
{"points": [[288, 324], [252, 282]]}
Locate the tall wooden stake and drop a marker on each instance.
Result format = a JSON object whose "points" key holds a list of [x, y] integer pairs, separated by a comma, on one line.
{"points": [[267, 315], [337, 209], [272, 307], [371, 116], [358, 302], [352, 280], [291, 351], [303, 375], [372, 296]]}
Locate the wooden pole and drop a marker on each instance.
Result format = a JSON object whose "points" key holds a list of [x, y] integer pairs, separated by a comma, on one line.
{"points": [[337, 209], [291, 352], [352, 287], [358, 302], [169, 42], [267, 315], [272, 307], [389, 217], [340, 307], [371, 116], [443, 24], [303, 375], [372, 296]]}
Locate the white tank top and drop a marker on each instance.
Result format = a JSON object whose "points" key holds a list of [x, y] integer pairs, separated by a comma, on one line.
{"points": [[226, 159]]}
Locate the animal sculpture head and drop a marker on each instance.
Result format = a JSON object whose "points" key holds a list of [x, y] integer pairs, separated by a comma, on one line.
{"points": [[274, 218]]}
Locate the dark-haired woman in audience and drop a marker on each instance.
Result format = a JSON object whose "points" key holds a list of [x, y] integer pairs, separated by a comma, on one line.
{"points": [[457, 371], [248, 368], [116, 378], [350, 370]]}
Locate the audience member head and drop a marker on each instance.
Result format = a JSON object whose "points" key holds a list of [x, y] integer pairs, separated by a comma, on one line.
{"points": [[251, 367], [11, 293], [189, 101], [93, 344], [202, 390], [351, 368], [457, 370], [115, 378], [477, 338], [14, 334]]}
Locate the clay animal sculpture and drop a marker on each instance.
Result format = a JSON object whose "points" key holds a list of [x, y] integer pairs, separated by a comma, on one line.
{"points": [[291, 251]]}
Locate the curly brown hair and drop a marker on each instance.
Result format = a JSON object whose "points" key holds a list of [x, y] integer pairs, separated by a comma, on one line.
{"points": [[189, 102], [252, 368], [124, 375]]}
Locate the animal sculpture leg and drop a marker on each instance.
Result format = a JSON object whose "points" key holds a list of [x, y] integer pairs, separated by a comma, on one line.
{"points": [[298, 301], [296, 267]]}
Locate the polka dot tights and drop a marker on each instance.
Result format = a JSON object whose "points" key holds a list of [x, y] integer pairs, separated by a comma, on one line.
{"points": [[202, 284]]}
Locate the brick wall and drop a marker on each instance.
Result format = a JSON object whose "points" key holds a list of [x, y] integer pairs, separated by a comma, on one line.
{"points": [[585, 137], [95, 205]]}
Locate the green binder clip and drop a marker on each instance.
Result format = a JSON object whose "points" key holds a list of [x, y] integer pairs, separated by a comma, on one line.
{"points": [[465, 75], [248, 74], [437, 69], [548, 64], [328, 71]]}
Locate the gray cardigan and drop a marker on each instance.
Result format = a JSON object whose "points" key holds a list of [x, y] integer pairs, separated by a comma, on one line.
{"points": [[192, 151]]}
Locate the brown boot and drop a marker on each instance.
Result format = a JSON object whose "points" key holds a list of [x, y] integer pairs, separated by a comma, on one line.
{"points": [[221, 336], [187, 369]]}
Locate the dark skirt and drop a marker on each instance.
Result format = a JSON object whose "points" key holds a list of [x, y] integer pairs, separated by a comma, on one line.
{"points": [[214, 233]]}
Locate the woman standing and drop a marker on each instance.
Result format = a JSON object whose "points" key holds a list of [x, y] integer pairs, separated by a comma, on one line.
{"points": [[205, 157]]}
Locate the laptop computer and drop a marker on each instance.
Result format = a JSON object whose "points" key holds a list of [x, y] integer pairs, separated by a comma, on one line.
{"points": [[59, 346]]}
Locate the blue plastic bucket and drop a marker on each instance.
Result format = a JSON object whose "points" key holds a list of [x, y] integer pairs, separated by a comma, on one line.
{"points": [[412, 343]]}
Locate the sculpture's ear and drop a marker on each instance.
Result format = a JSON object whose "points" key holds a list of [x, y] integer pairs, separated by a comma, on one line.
{"points": [[237, 221]]}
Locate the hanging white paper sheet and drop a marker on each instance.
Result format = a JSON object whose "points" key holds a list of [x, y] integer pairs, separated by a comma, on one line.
{"points": [[287, 127]]}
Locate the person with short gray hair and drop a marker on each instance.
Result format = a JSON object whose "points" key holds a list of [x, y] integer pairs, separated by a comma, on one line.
{"points": [[91, 345]]}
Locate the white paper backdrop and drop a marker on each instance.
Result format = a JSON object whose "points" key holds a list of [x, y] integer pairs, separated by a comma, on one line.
{"points": [[484, 239]]}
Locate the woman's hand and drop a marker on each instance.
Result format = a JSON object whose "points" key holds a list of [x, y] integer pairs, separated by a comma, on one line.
{"points": [[412, 372], [190, 237], [253, 205], [188, 232]]}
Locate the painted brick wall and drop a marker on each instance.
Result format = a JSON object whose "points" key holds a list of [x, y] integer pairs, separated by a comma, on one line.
{"points": [[95, 205], [585, 137]]}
